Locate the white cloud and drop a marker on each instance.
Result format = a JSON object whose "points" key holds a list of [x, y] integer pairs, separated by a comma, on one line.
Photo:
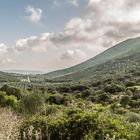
{"points": [[74, 54], [58, 3], [3, 49], [105, 23], [40, 49], [33, 43], [6, 60], [35, 14], [73, 2]]}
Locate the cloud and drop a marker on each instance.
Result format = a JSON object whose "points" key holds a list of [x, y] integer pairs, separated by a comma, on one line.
{"points": [[73, 54], [35, 14], [118, 19], [3, 54], [105, 23], [73, 2], [58, 3], [6, 61], [33, 43], [3, 49]]}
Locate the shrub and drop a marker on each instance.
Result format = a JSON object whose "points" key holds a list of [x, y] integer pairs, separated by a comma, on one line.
{"points": [[103, 97], [134, 103], [55, 99], [125, 100], [2, 99], [114, 107], [63, 89], [11, 101], [12, 91], [4, 88], [75, 125], [131, 83], [132, 89], [52, 109], [59, 99], [96, 84], [85, 94], [133, 117], [79, 87], [136, 95], [32, 103], [120, 111], [6, 100], [113, 88]]}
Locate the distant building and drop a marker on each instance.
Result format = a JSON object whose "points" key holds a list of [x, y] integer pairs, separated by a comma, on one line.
{"points": [[26, 80]]}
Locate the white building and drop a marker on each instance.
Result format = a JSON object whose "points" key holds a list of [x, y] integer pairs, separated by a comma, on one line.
{"points": [[26, 80]]}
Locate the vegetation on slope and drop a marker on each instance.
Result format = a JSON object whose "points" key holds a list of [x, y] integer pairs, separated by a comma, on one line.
{"points": [[126, 65], [132, 46]]}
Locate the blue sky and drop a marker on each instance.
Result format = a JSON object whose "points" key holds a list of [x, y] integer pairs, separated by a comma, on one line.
{"points": [[13, 17], [55, 34]]}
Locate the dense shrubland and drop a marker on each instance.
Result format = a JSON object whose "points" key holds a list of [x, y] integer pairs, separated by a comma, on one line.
{"points": [[98, 109]]}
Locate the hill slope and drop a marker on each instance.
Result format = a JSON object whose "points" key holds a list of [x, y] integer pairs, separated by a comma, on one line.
{"points": [[8, 76], [128, 66], [126, 48]]}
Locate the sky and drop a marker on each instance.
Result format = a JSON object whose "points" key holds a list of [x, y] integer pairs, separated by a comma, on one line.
{"points": [[54, 34]]}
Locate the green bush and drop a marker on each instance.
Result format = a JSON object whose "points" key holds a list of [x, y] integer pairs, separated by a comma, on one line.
{"points": [[2, 98], [133, 117], [131, 83], [58, 99], [12, 91], [73, 126], [78, 125], [32, 103], [96, 84], [125, 100], [113, 88], [11, 101], [114, 107], [103, 97], [52, 109], [120, 111], [6, 100], [135, 103], [79, 87], [63, 89], [136, 95], [85, 94]]}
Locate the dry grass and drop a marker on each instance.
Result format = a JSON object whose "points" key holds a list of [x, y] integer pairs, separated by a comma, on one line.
{"points": [[9, 122]]}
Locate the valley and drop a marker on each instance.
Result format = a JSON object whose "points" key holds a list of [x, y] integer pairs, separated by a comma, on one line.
{"points": [[96, 100]]}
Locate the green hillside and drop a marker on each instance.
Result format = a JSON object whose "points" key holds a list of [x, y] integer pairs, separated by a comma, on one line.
{"points": [[126, 48], [119, 67], [131, 46], [7, 77]]}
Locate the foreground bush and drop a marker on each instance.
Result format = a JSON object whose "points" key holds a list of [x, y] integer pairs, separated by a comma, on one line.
{"points": [[6, 100], [72, 126], [78, 125], [11, 91]]}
